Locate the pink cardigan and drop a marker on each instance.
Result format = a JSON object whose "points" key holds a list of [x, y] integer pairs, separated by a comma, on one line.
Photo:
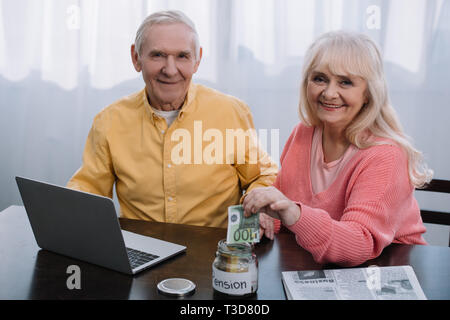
{"points": [[370, 205]]}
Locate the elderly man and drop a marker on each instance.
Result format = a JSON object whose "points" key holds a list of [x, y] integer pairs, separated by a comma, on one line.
{"points": [[162, 146]]}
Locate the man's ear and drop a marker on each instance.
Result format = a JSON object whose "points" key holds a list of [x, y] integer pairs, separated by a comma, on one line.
{"points": [[135, 58], [198, 59]]}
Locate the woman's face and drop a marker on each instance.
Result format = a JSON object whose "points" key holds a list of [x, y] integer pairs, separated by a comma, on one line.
{"points": [[337, 99]]}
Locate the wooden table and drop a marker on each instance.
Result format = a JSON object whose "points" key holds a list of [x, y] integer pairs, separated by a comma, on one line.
{"points": [[27, 272]]}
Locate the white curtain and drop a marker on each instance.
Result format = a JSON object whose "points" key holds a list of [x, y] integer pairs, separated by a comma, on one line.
{"points": [[62, 61]]}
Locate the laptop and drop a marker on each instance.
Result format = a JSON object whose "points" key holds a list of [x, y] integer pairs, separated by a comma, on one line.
{"points": [[84, 226]]}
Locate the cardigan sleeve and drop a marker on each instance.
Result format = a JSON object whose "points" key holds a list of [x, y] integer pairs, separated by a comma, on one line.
{"points": [[276, 184], [375, 209]]}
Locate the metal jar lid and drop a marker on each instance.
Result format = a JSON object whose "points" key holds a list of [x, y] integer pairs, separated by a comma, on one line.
{"points": [[176, 287]]}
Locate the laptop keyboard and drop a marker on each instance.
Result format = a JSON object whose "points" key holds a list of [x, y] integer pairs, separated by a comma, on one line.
{"points": [[138, 258]]}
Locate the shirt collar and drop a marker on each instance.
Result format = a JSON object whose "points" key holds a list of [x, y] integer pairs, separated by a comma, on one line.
{"points": [[185, 108]]}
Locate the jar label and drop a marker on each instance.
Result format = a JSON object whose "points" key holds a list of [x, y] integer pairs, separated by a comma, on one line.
{"points": [[235, 283]]}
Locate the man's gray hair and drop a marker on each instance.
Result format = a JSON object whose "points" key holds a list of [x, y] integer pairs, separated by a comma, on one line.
{"points": [[166, 17]]}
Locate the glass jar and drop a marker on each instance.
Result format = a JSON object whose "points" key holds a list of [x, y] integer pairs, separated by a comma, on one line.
{"points": [[235, 269]]}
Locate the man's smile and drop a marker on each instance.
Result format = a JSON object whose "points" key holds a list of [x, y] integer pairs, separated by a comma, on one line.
{"points": [[168, 82]]}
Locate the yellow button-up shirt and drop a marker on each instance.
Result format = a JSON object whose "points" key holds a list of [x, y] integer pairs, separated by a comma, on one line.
{"points": [[187, 173]]}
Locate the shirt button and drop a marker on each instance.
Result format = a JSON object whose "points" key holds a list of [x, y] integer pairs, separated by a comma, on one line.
{"points": [[170, 198], [169, 165], [162, 131]]}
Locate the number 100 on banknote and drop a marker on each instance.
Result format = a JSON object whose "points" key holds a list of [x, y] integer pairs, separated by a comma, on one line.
{"points": [[240, 228]]}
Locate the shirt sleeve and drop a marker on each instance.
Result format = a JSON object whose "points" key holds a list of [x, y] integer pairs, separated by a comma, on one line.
{"points": [[96, 174], [370, 219], [257, 170]]}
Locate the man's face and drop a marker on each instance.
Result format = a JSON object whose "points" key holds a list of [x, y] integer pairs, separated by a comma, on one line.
{"points": [[167, 62]]}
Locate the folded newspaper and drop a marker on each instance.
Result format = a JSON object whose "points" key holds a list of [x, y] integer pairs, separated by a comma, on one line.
{"points": [[371, 283]]}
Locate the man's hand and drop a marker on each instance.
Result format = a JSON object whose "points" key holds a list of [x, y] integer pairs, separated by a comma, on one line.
{"points": [[266, 226], [272, 202]]}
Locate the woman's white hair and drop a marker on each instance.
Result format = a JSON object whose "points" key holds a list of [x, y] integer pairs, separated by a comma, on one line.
{"points": [[166, 17], [356, 54]]}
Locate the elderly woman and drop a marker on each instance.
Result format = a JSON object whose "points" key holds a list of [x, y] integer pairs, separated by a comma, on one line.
{"points": [[348, 171]]}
